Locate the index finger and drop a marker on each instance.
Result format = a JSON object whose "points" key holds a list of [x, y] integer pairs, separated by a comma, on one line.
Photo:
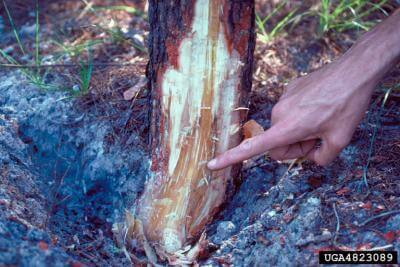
{"points": [[276, 136]]}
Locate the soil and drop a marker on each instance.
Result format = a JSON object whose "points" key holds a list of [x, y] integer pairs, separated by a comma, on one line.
{"points": [[72, 162]]}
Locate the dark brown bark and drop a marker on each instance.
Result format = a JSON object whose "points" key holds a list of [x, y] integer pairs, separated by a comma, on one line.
{"points": [[200, 70]]}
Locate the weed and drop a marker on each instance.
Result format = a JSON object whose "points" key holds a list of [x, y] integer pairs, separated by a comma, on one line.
{"points": [[266, 36], [10, 19], [34, 76], [331, 15], [85, 74], [347, 14]]}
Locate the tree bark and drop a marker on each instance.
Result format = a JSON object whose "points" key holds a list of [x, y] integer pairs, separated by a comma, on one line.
{"points": [[200, 70]]}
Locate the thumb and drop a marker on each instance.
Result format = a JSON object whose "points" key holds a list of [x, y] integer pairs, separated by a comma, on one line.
{"points": [[278, 135]]}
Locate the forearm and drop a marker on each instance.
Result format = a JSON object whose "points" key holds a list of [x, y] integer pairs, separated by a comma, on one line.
{"points": [[376, 52]]}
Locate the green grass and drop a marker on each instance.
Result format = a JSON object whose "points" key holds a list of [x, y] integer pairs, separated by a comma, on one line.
{"points": [[16, 35], [332, 16], [263, 34], [34, 76], [347, 15], [85, 74]]}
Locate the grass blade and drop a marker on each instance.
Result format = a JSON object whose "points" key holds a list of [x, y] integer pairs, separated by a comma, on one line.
{"points": [[37, 55], [13, 27], [8, 58], [86, 73], [285, 21]]}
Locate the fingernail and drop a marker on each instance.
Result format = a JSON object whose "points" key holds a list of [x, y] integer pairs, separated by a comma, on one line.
{"points": [[212, 164]]}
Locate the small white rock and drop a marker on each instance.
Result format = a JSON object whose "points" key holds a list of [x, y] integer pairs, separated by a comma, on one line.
{"points": [[271, 213], [313, 201]]}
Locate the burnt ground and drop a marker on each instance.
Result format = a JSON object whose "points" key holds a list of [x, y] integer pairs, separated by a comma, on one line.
{"points": [[71, 161]]}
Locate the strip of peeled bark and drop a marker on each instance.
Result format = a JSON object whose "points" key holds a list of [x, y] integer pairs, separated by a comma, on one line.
{"points": [[200, 69]]}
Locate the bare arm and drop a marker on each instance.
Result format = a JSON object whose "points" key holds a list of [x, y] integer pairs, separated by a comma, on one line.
{"points": [[325, 105]]}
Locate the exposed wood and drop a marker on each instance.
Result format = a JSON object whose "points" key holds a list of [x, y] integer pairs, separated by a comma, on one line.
{"points": [[201, 56]]}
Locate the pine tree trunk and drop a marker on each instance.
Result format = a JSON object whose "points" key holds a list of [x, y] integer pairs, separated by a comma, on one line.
{"points": [[200, 70]]}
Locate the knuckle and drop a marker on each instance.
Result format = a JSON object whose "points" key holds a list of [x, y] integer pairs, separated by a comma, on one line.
{"points": [[306, 127], [227, 158], [246, 146], [277, 109], [321, 156], [338, 143]]}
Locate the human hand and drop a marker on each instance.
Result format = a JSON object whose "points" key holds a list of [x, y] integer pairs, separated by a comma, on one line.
{"points": [[324, 106]]}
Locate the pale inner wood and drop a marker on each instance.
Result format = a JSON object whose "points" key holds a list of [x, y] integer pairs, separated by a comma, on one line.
{"points": [[198, 103]]}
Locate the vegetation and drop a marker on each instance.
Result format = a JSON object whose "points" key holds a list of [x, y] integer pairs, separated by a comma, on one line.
{"points": [[289, 18], [346, 15], [34, 76], [331, 15], [36, 72], [96, 54]]}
